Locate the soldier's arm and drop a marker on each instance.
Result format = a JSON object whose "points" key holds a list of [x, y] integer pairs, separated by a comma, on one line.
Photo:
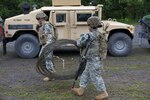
{"points": [[81, 42], [48, 29]]}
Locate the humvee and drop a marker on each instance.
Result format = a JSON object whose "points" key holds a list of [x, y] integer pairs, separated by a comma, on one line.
{"points": [[69, 20]]}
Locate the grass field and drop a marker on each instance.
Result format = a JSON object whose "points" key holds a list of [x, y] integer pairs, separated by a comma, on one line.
{"points": [[126, 78]]}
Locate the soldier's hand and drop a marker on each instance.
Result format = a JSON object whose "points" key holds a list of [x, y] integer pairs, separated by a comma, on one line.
{"points": [[43, 36], [37, 27]]}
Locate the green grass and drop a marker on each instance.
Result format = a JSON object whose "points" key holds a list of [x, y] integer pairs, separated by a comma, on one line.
{"points": [[126, 67], [131, 89], [61, 91], [136, 91]]}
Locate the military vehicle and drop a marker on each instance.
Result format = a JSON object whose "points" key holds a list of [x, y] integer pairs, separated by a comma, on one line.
{"points": [[69, 18]]}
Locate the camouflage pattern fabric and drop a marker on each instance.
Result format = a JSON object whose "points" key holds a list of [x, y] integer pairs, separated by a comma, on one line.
{"points": [[47, 31], [40, 65], [92, 73], [94, 22], [92, 70], [42, 36], [103, 46], [98, 46]]}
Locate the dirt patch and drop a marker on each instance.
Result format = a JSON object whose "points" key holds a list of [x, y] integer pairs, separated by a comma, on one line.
{"points": [[125, 77]]}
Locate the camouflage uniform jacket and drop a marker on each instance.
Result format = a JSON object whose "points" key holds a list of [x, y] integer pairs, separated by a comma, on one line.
{"points": [[46, 33], [98, 46]]}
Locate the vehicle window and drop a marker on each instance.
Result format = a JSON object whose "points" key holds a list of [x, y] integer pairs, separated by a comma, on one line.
{"points": [[47, 13], [83, 17], [60, 18]]}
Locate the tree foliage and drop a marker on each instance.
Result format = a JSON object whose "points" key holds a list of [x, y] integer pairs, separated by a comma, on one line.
{"points": [[119, 9], [9, 8]]}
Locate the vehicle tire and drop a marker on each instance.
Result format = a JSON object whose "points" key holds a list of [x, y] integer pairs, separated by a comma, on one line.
{"points": [[119, 44], [149, 42], [27, 46], [41, 67]]}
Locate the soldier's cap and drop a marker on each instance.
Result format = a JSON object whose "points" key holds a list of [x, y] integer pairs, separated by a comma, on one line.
{"points": [[40, 15], [94, 22]]}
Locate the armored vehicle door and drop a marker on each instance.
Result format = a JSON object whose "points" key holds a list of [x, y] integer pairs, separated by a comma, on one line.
{"points": [[71, 24], [62, 24], [79, 24]]}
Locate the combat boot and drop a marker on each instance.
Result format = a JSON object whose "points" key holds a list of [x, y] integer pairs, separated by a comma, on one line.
{"points": [[78, 91], [47, 79], [102, 96]]}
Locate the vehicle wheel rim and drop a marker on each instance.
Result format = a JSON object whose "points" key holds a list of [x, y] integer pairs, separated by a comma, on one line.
{"points": [[27, 47], [120, 45]]}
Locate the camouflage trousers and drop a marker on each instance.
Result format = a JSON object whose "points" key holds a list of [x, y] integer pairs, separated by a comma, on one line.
{"points": [[92, 73], [48, 60]]}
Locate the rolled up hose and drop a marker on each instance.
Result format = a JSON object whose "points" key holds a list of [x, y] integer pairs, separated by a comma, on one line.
{"points": [[40, 65]]}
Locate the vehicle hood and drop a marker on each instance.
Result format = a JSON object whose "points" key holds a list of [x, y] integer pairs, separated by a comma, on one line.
{"points": [[111, 25]]}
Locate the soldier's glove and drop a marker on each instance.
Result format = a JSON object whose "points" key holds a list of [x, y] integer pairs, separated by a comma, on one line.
{"points": [[43, 39], [37, 27], [43, 36]]}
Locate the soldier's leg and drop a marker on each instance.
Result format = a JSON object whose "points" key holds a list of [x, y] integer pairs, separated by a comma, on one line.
{"points": [[83, 82], [43, 46], [95, 75], [49, 63], [84, 79], [97, 80]]}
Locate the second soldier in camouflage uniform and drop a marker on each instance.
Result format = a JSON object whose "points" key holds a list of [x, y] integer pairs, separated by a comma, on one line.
{"points": [[97, 51], [46, 35]]}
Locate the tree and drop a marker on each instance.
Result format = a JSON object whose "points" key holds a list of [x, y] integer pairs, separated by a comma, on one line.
{"points": [[119, 9], [9, 8]]}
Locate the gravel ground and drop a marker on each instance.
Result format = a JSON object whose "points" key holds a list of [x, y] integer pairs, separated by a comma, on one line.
{"points": [[126, 78]]}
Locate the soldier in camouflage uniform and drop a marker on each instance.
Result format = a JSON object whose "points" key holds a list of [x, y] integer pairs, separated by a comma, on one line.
{"points": [[46, 35], [96, 53]]}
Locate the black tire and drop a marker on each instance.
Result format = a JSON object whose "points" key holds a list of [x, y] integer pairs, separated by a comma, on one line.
{"points": [[119, 44], [27, 46], [149, 42], [40, 65]]}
